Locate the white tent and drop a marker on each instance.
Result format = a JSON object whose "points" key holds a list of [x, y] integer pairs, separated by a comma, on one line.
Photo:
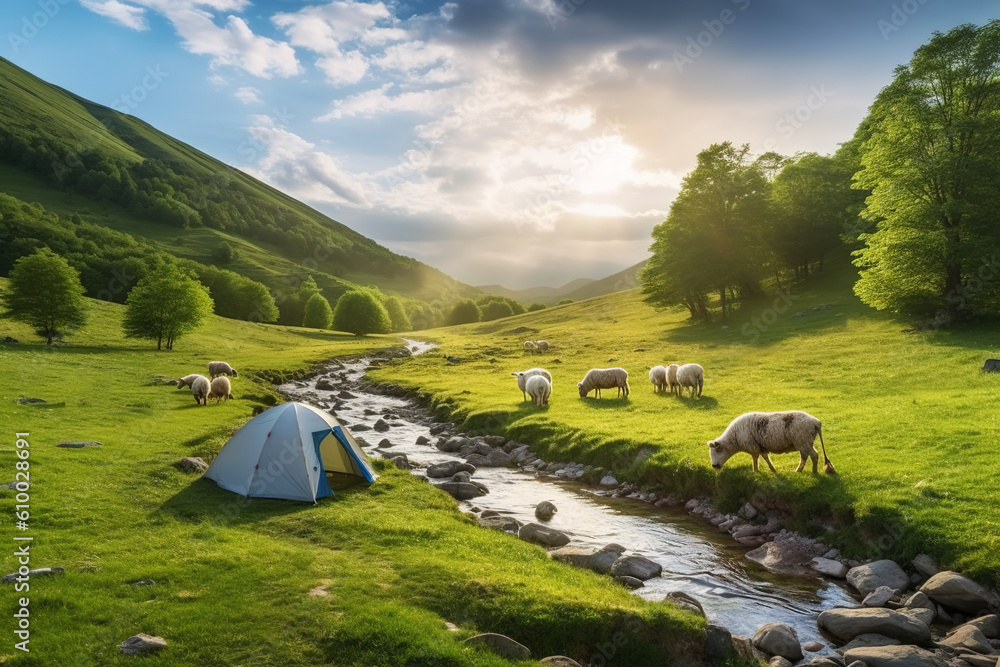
{"points": [[291, 451]]}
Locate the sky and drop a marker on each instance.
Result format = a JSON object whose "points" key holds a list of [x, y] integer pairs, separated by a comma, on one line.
{"points": [[519, 142]]}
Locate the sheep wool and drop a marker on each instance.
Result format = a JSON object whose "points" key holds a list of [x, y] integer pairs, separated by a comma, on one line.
{"points": [[522, 379], [216, 368], [760, 434], [539, 388], [220, 389], [658, 376], [690, 375], [672, 385], [604, 378]]}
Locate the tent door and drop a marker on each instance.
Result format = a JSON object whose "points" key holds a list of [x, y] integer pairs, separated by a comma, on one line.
{"points": [[322, 486]]}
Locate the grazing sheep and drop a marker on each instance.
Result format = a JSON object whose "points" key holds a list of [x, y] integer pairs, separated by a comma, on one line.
{"points": [[220, 368], [760, 434], [529, 346], [199, 387], [539, 388], [522, 378], [221, 388], [690, 375], [542, 345], [673, 386], [604, 378], [658, 376]]}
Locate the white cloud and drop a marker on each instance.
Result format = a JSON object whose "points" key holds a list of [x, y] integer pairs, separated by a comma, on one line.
{"points": [[378, 101], [248, 95], [129, 16]]}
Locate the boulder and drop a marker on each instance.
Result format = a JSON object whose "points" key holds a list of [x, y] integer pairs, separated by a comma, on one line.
{"points": [[991, 366], [922, 614], [497, 458], [449, 468], [462, 490], [608, 480], [989, 625], [812, 647], [507, 524], [718, 644], [878, 597], [967, 637], [502, 645], [422, 440], [894, 656], [925, 565], [685, 601], [191, 464], [869, 639], [544, 510], [639, 567], [141, 643], [539, 534], [559, 661], [403, 463], [324, 384], [958, 592], [829, 568], [598, 561], [975, 660], [629, 582], [779, 639], [381, 426], [460, 476], [779, 661], [866, 578], [846, 624], [920, 600], [452, 444], [786, 554], [743, 646]]}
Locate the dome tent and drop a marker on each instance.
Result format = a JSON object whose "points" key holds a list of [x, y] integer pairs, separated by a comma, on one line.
{"points": [[292, 451]]}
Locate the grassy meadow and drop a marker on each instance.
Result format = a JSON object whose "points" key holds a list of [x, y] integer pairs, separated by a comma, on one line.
{"points": [[908, 418], [368, 577]]}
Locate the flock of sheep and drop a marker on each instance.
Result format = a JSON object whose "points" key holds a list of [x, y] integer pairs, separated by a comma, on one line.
{"points": [[758, 434], [205, 389]]}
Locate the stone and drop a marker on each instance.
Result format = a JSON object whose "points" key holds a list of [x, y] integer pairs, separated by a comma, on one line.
{"points": [[346, 395], [925, 565], [80, 445], [991, 366], [779, 661], [495, 441], [502, 645], [812, 647], [507, 524], [422, 440], [878, 597], [381, 426], [639, 567], [142, 583], [461, 490], [452, 444], [989, 625], [608, 480], [921, 600], [598, 561], [324, 384], [718, 644], [191, 464], [922, 614], [685, 601], [141, 643], [615, 547], [629, 582], [829, 568], [385, 442], [744, 647], [547, 537], [846, 624], [826, 661], [359, 428], [866, 578], [976, 660], [894, 656], [748, 511], [779, 639], [559, 661], [953, 590], [967, 637], [545, 510], [497, 458], [869, 639], [449, 468], [38, 572], [786, 554], [461, 476]]}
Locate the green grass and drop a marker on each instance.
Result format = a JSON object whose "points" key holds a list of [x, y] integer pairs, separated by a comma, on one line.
{"points": [[236, 580], [908, 418]]}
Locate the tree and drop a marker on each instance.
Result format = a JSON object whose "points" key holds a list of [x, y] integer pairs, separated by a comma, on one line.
{"points": [[713, 237], [360, 312], [164, 306], [224, 254], [318, 314], [45, 292], [929, 158], [465, 312], [494, 310], [535, 307], [400, 322]]}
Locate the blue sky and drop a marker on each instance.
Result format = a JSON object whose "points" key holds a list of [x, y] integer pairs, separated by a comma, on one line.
{"points": [[520, 142]]}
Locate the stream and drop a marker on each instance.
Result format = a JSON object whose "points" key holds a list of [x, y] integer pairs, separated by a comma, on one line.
{"points": [[697, 559]]}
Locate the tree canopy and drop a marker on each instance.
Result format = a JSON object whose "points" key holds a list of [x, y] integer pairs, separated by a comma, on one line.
{"points": [[45, 293], [318, 313], [164, 306], [464, 312], [397, 315], [361, 312]]}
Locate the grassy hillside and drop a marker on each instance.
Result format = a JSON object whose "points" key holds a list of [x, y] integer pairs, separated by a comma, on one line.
{"points": [[74, 156], [908, 418], [368, 577]]}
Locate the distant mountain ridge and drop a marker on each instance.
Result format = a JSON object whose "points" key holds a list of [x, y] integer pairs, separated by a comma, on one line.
{"points": [[581, 288]]}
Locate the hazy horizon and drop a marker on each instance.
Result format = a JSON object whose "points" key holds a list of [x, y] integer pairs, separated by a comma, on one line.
{"points": [[523, 143]]}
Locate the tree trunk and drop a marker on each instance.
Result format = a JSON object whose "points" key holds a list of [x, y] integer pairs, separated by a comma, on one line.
{"points": [[722, 299], [159, 340], [954, 292], [777, 277]]}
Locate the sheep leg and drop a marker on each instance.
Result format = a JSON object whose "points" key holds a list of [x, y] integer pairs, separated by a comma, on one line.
{"points": [[814, 455], [802, 461], [755, 468], [767, 460]]}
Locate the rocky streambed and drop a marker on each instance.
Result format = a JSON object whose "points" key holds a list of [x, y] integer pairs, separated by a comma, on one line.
{"points": [[767, 592]]}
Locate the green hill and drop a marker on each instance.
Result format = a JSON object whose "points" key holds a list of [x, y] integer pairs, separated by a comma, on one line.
{"points": [[75, 157]]}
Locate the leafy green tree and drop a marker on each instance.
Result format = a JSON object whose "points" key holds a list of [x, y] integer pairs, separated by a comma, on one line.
{"points": [[318, 314], [930, 160], [224, 254], [465, 312], [494, 310], [45, 293], [713, 238], [564, 302], [516, 307], [536, 307], [164, 306], [360, 312], [397, 315]]}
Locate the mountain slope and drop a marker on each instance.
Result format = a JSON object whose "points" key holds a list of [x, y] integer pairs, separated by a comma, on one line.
{"points": [[581, 288], [72, 155]]}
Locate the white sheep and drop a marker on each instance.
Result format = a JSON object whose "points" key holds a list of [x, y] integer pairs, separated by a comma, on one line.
{"points": [[672, 385], [522, 379], [762, 433], [542, 345], [220, 389], [604, 378], [199, 387], [658, 376], [529, 346], [690, 375], [216, 368], [539, 388]]}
